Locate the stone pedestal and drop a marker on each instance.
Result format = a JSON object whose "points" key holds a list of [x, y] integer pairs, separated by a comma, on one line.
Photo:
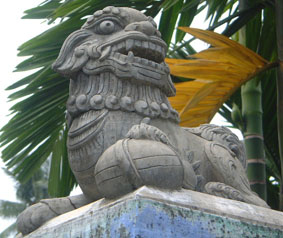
{"points": [[150, 212]]}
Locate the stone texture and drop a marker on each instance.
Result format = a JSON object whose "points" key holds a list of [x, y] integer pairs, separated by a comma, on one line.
{"points": [[150, 212]]}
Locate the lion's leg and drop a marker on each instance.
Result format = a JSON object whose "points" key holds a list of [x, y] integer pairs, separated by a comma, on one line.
{"points": [[230, 179], [146, 157], [226, 191], [34, 216]]}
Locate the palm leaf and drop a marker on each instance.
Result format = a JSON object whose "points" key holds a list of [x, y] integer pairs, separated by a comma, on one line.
{"points": [[10, 209], [219, 71]]}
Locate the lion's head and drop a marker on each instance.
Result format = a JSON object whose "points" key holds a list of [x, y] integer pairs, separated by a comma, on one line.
{"points": [[119, 40]]}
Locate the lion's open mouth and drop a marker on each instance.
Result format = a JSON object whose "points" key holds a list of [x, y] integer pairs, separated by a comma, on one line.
{"points": [[131, 56], [138, 52], [146, 50]]}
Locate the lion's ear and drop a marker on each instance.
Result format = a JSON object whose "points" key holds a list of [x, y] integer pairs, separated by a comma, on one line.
{"points": [[73, 55]]}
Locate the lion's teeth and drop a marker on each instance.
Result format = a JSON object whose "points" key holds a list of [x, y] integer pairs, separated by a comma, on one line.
{"points": [[158, 52], [137, 59], [159, 66], [158, 49], [129, 44], [145, 44], [138, 43], [121, 45], [114, 48], [144, 61], [155, 65], [105, 53], [152, 50], [163, 52], [150, 63], [123, 57], [151, 46], [130, 57], [116, 55]]}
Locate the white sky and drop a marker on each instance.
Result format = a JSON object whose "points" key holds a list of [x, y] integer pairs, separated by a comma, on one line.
{"points": [[14, 32]]}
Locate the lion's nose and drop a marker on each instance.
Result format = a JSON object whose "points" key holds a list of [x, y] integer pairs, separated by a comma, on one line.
{"points": [[144, 26]]}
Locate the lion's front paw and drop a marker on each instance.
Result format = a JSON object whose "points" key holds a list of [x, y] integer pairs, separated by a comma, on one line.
{"points": [[33, 217], [148, 132]]}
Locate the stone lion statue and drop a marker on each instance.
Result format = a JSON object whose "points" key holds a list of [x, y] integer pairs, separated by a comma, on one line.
{"points": [[123, 132]]}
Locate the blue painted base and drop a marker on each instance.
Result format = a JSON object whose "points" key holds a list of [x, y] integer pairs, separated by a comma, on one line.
{"points": [[145, 217]]}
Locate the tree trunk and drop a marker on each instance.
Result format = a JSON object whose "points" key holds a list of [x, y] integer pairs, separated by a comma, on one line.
{"points": [[251, 95], [279, 31]]}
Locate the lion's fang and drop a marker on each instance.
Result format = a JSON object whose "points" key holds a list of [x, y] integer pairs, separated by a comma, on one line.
{"points": [[105, 53], [130, 57]]}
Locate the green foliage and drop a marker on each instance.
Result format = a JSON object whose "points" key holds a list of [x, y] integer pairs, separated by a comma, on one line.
{"points": [[10, 209]]}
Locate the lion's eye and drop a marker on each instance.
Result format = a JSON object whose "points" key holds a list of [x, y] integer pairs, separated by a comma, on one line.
{"points": [[107, 27]]}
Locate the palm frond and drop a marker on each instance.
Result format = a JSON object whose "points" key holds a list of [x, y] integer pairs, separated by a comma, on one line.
{"points": [[219, 71], [10, 209]]}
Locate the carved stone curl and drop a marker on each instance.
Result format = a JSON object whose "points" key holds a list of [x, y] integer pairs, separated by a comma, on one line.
{"points": [[123, 132]]}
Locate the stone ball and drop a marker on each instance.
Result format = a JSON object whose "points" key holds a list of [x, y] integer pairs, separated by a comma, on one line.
{"points": [[132, 163]]}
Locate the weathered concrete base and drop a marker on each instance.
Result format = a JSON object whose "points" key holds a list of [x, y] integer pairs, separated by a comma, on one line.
{"points": [[150, 212]]}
